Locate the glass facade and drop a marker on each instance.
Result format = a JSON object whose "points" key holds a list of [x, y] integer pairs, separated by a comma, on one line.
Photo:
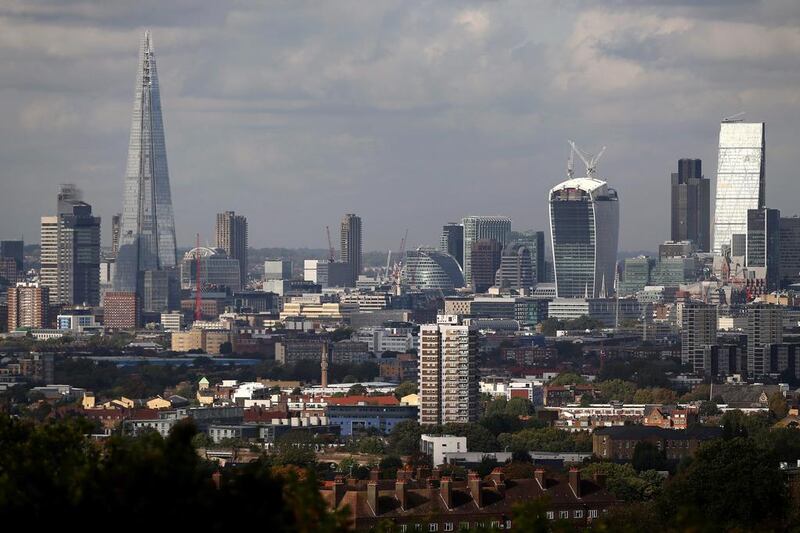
{"points": [[740, 179], [763, 246], [452, 241], [432, 270], [147, 228], [216, 269], [584, 228], [476, 228]]}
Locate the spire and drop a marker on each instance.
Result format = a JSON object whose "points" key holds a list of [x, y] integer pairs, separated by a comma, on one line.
{"points": [[603, 287], [147, 227]]}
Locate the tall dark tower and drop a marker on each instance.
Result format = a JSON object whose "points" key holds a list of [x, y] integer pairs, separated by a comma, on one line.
{"points": [[351, 245], [691, 205]]}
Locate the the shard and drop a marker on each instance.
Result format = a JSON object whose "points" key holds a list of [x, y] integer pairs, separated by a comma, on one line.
{"points": [[147, 228]]}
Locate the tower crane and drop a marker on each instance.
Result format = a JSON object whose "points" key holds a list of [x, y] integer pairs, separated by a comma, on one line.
{"points": [[331, 251], [590, 160]]}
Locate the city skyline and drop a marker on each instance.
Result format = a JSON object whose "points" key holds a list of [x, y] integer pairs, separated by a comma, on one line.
{"points": [[457, 137]]}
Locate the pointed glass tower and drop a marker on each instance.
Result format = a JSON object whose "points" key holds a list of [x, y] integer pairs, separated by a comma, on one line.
{"points": [[147, 232]]}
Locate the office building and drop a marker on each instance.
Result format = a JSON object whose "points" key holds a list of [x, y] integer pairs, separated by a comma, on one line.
{"points": [[485, 261], [763, 245], [448, 375], [217, 270], [691, 205], [698, 332], [231, 232], [28, 306], [584, 231], [351, 247], [676, 249], [480, 227], [277, 269], [740, 179], [326, 274], [70, 251], [674, 271], [610, 312], [452, 241], [13, 250], [428, 269], [789, 266], [764, 327], [172, 321], [636, 275], [516, 268], [147, 228], [121, 310], [534, 242]]}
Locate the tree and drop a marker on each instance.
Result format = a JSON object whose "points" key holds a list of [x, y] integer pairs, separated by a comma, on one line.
{"points": [[567, 378], [729, 484], [479, 439], [404, 438], [371, 445], [550, 326], [406, 388], [357, 390], [655, 395], [518, 407], [624, 482], [777, 405], [584, 322], [616, 389], [647, 456], [709, 409], [389, 466], [226, 348]]}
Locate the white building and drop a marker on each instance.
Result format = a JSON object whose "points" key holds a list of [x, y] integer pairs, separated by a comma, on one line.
{"points": [[172, 321], [438, 445]]}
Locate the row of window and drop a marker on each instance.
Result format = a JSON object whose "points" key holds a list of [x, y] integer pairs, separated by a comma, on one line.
{"points": [[494, 524]]}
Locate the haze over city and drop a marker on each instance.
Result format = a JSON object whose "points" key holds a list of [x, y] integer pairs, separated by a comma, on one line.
{"points": [[411, 114]]}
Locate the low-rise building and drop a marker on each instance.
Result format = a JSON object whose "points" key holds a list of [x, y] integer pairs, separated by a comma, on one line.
{"points": [[437, 445], [618, 443]]}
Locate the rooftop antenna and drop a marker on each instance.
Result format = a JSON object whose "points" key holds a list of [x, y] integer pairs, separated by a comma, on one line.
{"points": [[589, 160], [734, 118]]}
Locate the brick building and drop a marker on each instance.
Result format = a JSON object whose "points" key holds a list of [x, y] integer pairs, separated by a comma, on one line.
{"points": [[619, 442]]}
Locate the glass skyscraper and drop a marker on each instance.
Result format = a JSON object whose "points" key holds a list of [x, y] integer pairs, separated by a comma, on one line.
{"points": [[691, 205], [147, 229], [584, 228], [740, 178], [476, 228]]}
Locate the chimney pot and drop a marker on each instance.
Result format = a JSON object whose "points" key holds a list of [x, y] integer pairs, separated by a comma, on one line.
{"points": [[372, 496], [401, 493], [446, 490], [538, 475], [474, 483]]}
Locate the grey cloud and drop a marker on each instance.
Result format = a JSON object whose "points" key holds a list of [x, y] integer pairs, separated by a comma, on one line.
{"points": [[409, 113]]}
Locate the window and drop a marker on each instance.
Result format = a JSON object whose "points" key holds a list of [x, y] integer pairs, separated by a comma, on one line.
{"points": [[433, 527], [551, 515], [495, 524], [463, 526], [592, 513], [417, 527], [578, 513], [563, 514], [448, 526], [403, 528]]}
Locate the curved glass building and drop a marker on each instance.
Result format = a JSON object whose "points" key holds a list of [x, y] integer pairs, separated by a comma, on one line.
{"points": [[584, 232], [429, 269], [216, 269]]}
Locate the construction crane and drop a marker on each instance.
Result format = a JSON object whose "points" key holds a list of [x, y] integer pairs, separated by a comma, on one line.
{"points": [[398, 266], [734, 118], [331, 251], [590, 160], [198, 298], [386, 273]]}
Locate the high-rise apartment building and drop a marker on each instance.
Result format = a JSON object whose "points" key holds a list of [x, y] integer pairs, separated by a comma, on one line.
{"points": [[764, 327], [691, 205], [485, 262], [351, 247], [28, 306], [452, 241], [231, 231], [698, 331], [480, 227], [147, 229], [121, 310], [448, 375], [584, 231], [516, 270], [763, 245], [70, 251], [790, 251], [740, 179]]}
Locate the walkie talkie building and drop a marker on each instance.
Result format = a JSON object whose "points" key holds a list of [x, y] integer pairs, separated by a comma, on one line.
{"points": [[584, 228], [147, 228]]}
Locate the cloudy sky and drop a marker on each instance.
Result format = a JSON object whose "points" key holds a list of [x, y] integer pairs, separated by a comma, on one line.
{"points": [[410, 113]]}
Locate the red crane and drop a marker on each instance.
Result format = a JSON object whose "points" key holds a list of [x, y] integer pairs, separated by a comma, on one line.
{"points": [[198, 298]]}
